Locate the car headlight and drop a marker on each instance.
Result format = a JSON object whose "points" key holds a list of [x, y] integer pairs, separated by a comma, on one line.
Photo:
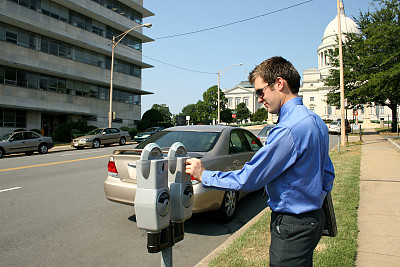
{"points": [[146, 135]]}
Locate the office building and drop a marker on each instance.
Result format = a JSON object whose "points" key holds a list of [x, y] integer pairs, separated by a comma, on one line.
{"points": [[55, 61]]}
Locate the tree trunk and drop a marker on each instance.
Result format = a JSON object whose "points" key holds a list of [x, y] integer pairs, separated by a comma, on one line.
{"points": [[394, 118]]}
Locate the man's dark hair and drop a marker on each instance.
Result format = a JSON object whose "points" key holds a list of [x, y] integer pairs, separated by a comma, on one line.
{"points": [[274, 67]]}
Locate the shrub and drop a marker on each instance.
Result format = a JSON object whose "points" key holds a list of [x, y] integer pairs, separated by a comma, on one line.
{"points": [[63, 133]]}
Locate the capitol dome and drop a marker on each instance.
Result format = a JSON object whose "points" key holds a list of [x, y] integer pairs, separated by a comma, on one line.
{"points": [[329, 39], [346, 24]]}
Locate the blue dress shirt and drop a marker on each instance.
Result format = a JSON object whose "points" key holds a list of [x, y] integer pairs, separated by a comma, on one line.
{"points": [[294, 165]]}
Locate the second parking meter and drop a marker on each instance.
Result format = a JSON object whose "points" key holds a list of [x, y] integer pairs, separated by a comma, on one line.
{"points": [[152, 200], [181, 189]]}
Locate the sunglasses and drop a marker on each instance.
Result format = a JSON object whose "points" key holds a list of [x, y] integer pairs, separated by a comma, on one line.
{"points": [[260, 92]]}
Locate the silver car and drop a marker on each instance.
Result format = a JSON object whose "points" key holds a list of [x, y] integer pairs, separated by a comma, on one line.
{"points": [[101, 136], [26, 142], [263, 134], [223, 148]]}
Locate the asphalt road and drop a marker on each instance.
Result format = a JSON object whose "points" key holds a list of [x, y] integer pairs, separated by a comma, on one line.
{"points": [[54, 213]]}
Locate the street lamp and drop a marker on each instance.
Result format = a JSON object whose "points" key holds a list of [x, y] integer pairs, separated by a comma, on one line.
{"points": [[219, 75], [114, 44]]}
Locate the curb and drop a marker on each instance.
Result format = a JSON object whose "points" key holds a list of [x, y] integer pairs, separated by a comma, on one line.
{"points": [[394, 144], [229, 241]]}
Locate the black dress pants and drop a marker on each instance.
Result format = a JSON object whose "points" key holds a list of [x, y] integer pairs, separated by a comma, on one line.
{"points": [[294, 237]]}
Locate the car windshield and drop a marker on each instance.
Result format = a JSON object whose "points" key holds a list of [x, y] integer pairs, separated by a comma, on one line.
{"points": [[94, 132], [266, 130], [193, 141], [6, 136], [152, 129]]}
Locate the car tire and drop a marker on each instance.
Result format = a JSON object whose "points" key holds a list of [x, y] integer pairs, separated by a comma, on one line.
{"points": [[228, 207], [43, 149], [96, 143], [122, 141], [1, 153]]}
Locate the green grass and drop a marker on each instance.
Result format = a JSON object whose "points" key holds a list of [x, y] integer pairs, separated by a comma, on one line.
{"points": [[251, 249]]}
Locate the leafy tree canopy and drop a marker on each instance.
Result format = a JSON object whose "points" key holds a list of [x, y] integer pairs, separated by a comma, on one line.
{"points": [[242, 112], [164, 111], [261, 114]]}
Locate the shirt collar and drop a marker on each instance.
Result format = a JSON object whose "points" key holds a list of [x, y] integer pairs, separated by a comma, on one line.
{"points": [[288, 105]]}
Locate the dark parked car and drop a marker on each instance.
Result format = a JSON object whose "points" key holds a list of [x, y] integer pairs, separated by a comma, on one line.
{"points": [[26, 142], [147, 133], [223, 148]]}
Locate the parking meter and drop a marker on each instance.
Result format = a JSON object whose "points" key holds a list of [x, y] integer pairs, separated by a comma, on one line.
{"points": [[152, 200], [181, 189]]}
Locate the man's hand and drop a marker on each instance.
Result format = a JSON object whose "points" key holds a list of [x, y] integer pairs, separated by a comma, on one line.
{"points": [[195, 168]]}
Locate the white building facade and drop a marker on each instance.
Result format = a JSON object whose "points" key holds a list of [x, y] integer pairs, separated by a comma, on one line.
{"points": [[244, 93], [313, 90], [55, 61]]}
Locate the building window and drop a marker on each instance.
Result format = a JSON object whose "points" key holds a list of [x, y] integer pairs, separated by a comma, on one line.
{"points": [[381, 109], [312, 108], [12, 118], [230, 102], [312, 99], [237, 101], [32, 80], [64, 50], [246, 101]]}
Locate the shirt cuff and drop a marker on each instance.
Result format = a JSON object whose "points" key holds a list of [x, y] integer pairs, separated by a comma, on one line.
{"points": [[206, 177]]}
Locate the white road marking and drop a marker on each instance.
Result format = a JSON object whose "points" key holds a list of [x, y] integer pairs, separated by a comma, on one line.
{"points": [[9, 189]]}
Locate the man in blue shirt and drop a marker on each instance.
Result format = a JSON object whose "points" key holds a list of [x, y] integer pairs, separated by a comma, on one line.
{"points": [[293, 166]]}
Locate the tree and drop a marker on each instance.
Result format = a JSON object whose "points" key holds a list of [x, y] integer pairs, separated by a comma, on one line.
{"points": [[243, 112], [211, 98], [190, 110], [164, 110], [261, 114], [372, 60], [153, 115], [226, 115]]}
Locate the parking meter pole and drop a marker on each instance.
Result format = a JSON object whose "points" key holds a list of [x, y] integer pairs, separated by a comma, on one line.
{"points": [[166, 257]]}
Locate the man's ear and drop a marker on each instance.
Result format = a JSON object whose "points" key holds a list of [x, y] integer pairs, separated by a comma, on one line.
{"points": [[281, 83]]}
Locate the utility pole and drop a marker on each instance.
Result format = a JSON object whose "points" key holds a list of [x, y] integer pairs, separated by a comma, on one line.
{"points": [[342, 117]]}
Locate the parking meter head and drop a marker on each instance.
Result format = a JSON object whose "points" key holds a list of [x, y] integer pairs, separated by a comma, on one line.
{"points": [[152, 200]]}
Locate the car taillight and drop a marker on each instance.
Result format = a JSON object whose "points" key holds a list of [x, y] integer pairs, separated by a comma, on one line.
{"points": [[112, 168]]}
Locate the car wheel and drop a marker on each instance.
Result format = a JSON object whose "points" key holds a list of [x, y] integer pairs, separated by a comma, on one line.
{"points": [[229, 206], [96, 143], [1, 153], [43, 149], [122, 141]]}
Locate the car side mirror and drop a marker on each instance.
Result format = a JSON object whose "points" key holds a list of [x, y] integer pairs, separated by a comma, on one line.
{"points": [[11, 139], [103, 133]]}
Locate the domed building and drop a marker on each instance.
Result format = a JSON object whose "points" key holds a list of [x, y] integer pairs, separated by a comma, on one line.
{"points": [[313, 90]]}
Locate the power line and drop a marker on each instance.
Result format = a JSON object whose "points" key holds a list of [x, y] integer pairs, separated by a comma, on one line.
{"points": [[216, 27], [236, 22]]}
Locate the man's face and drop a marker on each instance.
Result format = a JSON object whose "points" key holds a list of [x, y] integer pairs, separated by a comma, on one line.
{"points": [[270, 97]]}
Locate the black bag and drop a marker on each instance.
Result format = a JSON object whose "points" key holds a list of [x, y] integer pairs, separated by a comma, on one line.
{"points": [[330, 227]]}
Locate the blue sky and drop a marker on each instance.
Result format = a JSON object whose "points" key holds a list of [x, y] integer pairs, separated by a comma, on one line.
{"points": [[294, 33]]}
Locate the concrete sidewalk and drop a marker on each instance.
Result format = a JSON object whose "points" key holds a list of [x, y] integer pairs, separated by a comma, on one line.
{"points": [[379, 208]]}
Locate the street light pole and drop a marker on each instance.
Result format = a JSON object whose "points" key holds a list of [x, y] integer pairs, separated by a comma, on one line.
{"points": [[114, 44], [219, 75], [342, 117]]}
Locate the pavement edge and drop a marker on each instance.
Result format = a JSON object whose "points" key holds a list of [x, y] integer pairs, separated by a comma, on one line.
{"points": [[205, 261]]}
